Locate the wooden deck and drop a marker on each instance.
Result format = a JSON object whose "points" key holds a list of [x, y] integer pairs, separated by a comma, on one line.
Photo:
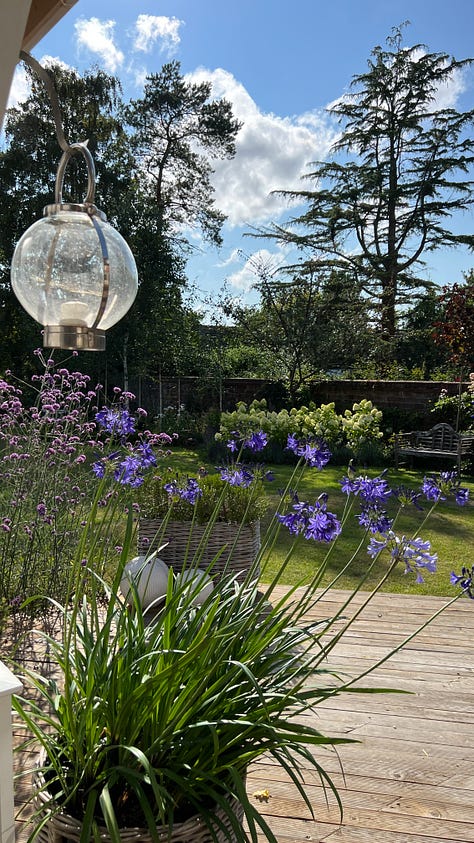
{"points": [[410, 779]]}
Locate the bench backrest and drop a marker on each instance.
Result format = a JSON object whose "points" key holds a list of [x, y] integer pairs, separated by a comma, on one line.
{"points": [[442, 437]]}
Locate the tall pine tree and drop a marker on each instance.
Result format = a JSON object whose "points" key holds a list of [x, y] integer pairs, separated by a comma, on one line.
{"points": [[401, 169]]}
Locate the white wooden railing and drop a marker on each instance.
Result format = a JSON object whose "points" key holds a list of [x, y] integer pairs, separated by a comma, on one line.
{"points": [[9, 685]]}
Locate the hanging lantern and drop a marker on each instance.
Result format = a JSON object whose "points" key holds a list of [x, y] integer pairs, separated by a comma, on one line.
{"points": [[71, 271]]}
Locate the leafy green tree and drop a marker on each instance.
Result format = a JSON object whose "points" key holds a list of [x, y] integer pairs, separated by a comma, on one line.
{"points": [[305, 324], [151, 181], [455, 330], [177, 130], [403, 172], [416, 348]]}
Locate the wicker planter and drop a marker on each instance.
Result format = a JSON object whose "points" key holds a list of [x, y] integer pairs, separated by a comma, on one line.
{"points": [[229, 548], [62, 828]]}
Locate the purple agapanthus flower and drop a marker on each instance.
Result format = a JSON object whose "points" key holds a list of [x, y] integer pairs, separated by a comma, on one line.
{"points": [[117, 422], [375, 519], [407, 497], [313, 522], [464, 579], [240, 476], [256, 441], [432, 490], [128, 471], [146, 454], [414, 553], [371, 490], [461, 496], [191, 492], [447, 482], [322, 526], [98, 468], [314, 451]]}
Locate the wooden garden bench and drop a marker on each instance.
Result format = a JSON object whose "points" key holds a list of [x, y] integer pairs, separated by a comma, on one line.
{"points": [[441, 442]]}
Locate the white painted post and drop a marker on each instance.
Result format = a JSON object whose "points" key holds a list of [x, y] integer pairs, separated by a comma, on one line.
{"points": [[9, 685]]}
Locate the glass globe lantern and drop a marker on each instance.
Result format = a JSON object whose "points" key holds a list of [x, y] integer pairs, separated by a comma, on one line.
{"points": [[71, 271]]}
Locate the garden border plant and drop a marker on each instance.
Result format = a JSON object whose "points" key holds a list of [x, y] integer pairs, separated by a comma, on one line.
{"points": [[153, 720]]}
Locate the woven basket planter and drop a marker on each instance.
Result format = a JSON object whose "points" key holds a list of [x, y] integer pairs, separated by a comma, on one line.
{"points": [[228, 549], [62, 828]]}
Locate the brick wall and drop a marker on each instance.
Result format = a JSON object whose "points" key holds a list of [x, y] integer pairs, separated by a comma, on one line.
{"points": [[201, 394]]}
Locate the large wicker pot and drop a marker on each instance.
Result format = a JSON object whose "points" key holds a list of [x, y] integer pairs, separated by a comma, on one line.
{"points": [[62, 828], [229, 548]]}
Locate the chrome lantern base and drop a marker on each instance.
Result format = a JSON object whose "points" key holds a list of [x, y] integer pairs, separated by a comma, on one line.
{"points": [[73, 338]]}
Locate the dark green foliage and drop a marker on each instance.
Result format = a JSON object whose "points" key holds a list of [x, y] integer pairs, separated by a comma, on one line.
{"points": [[454, 332], [177, 129], [402, 173], [305, 325], [416, 345], [146, 198]]}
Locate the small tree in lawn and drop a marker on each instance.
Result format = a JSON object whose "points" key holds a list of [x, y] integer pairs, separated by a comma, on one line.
{"points": [[455, 331], [403, 174]]}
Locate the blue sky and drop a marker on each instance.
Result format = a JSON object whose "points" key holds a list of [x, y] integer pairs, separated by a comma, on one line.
{"points": [[281, 64]]}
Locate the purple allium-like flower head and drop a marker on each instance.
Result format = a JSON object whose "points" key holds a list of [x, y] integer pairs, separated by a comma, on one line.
{"points": [[117, 422], [313, 522], [371, 490], [314, 451], [464, 579], [374, 519], [237, 476], [256, 441]]}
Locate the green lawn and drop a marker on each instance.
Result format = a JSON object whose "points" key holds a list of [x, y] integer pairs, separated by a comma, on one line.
{"points": [[450, 530]]}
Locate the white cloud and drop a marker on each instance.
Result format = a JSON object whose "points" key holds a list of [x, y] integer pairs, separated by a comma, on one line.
{"points": [[98, 37], [19, 88], [234, 257], [272, 153], [246, 277], [47, 61], [151, 28], [449, 92]]}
